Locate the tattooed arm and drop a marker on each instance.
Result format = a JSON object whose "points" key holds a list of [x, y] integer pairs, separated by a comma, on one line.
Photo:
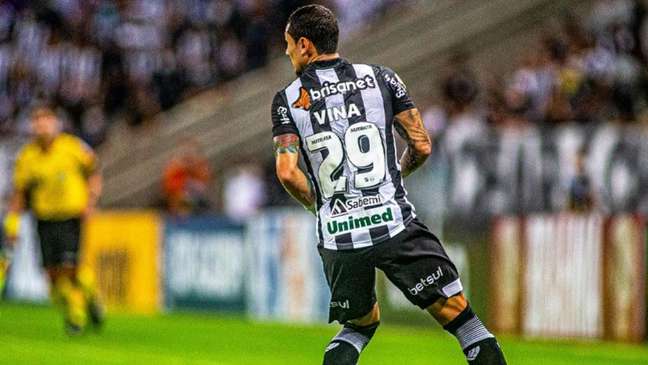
{"points": [[410, 126], [286, 148]]}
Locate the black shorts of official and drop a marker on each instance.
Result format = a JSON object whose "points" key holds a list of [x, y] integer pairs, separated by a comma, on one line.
{"points": [[59, 241], [414, 260]]}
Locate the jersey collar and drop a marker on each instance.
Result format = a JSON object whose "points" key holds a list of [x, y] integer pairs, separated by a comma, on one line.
{"points": [[326, 64]]}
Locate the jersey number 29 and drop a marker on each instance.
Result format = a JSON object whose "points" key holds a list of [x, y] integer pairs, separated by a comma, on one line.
{"points": [[362, 147]]}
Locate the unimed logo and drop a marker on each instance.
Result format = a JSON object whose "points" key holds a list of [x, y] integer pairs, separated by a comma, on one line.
{"points": [[351, 222], [426, 281]]}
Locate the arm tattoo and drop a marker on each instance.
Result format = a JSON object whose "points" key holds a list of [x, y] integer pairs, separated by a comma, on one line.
{"points": [[410, 126], [286, 143], [286, 148]]}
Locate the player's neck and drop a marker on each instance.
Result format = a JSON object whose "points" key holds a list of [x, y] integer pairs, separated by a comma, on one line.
{"points": [[45, 142], [324, 57]]}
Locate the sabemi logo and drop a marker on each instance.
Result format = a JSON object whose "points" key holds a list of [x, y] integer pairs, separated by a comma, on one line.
{"points": [[342, 208], [303, 100], [426, 281]]}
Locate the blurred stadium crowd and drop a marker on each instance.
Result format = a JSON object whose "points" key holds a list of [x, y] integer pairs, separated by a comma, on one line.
{"points": [[104, 59], [107, 60], [590, 70], [532, 139]]}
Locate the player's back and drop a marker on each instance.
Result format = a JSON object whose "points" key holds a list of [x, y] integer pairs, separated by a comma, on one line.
{"points": [[343, 114]]}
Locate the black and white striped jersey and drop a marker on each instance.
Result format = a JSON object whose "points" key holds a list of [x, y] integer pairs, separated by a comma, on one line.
{"points": [[343, 114]]}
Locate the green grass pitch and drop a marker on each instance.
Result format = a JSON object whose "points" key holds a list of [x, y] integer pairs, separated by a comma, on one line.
{"points": [[33, 335]]}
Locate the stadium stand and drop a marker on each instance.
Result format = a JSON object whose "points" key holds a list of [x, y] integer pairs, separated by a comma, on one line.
{"points": [[490, 37], [113, 62], [489, 31], [538, 111]]}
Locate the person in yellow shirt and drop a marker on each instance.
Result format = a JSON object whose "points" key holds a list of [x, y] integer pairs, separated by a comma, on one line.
{"points": [[5, 259], [56, 177]]}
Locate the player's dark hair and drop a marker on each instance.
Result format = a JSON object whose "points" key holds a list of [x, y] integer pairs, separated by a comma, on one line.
{"points": [[316, 23], [42, 110]]}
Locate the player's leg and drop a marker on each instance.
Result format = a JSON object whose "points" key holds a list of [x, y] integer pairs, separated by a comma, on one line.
{"points": [[84, 298], [478, 344], [84, 278], [346, 346], [4, 268], [59, 260], [50, 260], [5, 259], [417, 264], [351, 278], [73, 298]]}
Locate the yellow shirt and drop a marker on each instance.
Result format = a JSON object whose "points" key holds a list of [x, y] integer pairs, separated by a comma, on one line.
{"points": [[56, 178]]}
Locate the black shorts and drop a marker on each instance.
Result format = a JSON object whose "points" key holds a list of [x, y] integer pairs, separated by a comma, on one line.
{"points": [[59, 241], [414, 260]]}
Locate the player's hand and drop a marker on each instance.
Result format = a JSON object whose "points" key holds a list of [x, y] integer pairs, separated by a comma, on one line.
{"points": [[311, 209], [11, 227], [88, 211], [10, 241]]}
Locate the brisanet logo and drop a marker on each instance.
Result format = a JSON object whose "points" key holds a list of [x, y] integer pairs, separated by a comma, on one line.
{"points": [[427, 281], [350, 223], [342, 87]]}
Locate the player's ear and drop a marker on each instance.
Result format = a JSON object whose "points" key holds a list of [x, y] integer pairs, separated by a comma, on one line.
{"points": [[303, 45]]}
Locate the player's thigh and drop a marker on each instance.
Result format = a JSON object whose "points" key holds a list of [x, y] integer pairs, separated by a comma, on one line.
{"points": [[351, 277], [49, 243], [417, 264], [69, 241]]}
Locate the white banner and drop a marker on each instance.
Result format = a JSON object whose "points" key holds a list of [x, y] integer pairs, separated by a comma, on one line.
{"points": [[562, 288], [285, 276], [27, 280]]}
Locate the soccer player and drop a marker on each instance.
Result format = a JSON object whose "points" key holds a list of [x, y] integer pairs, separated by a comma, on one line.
{"points": [[56, 173], [339, 117], [4, 265]]}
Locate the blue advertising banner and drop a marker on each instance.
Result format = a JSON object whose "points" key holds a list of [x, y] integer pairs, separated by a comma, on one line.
{"points": [[204, 264], [285, 276]]}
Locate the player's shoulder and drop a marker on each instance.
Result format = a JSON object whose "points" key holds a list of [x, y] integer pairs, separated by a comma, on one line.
{"points": [[386, 73], [27, 150], [294, 83], [390, 78], [377, 68], [70, 141], [280, 98], [367, 67]]}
